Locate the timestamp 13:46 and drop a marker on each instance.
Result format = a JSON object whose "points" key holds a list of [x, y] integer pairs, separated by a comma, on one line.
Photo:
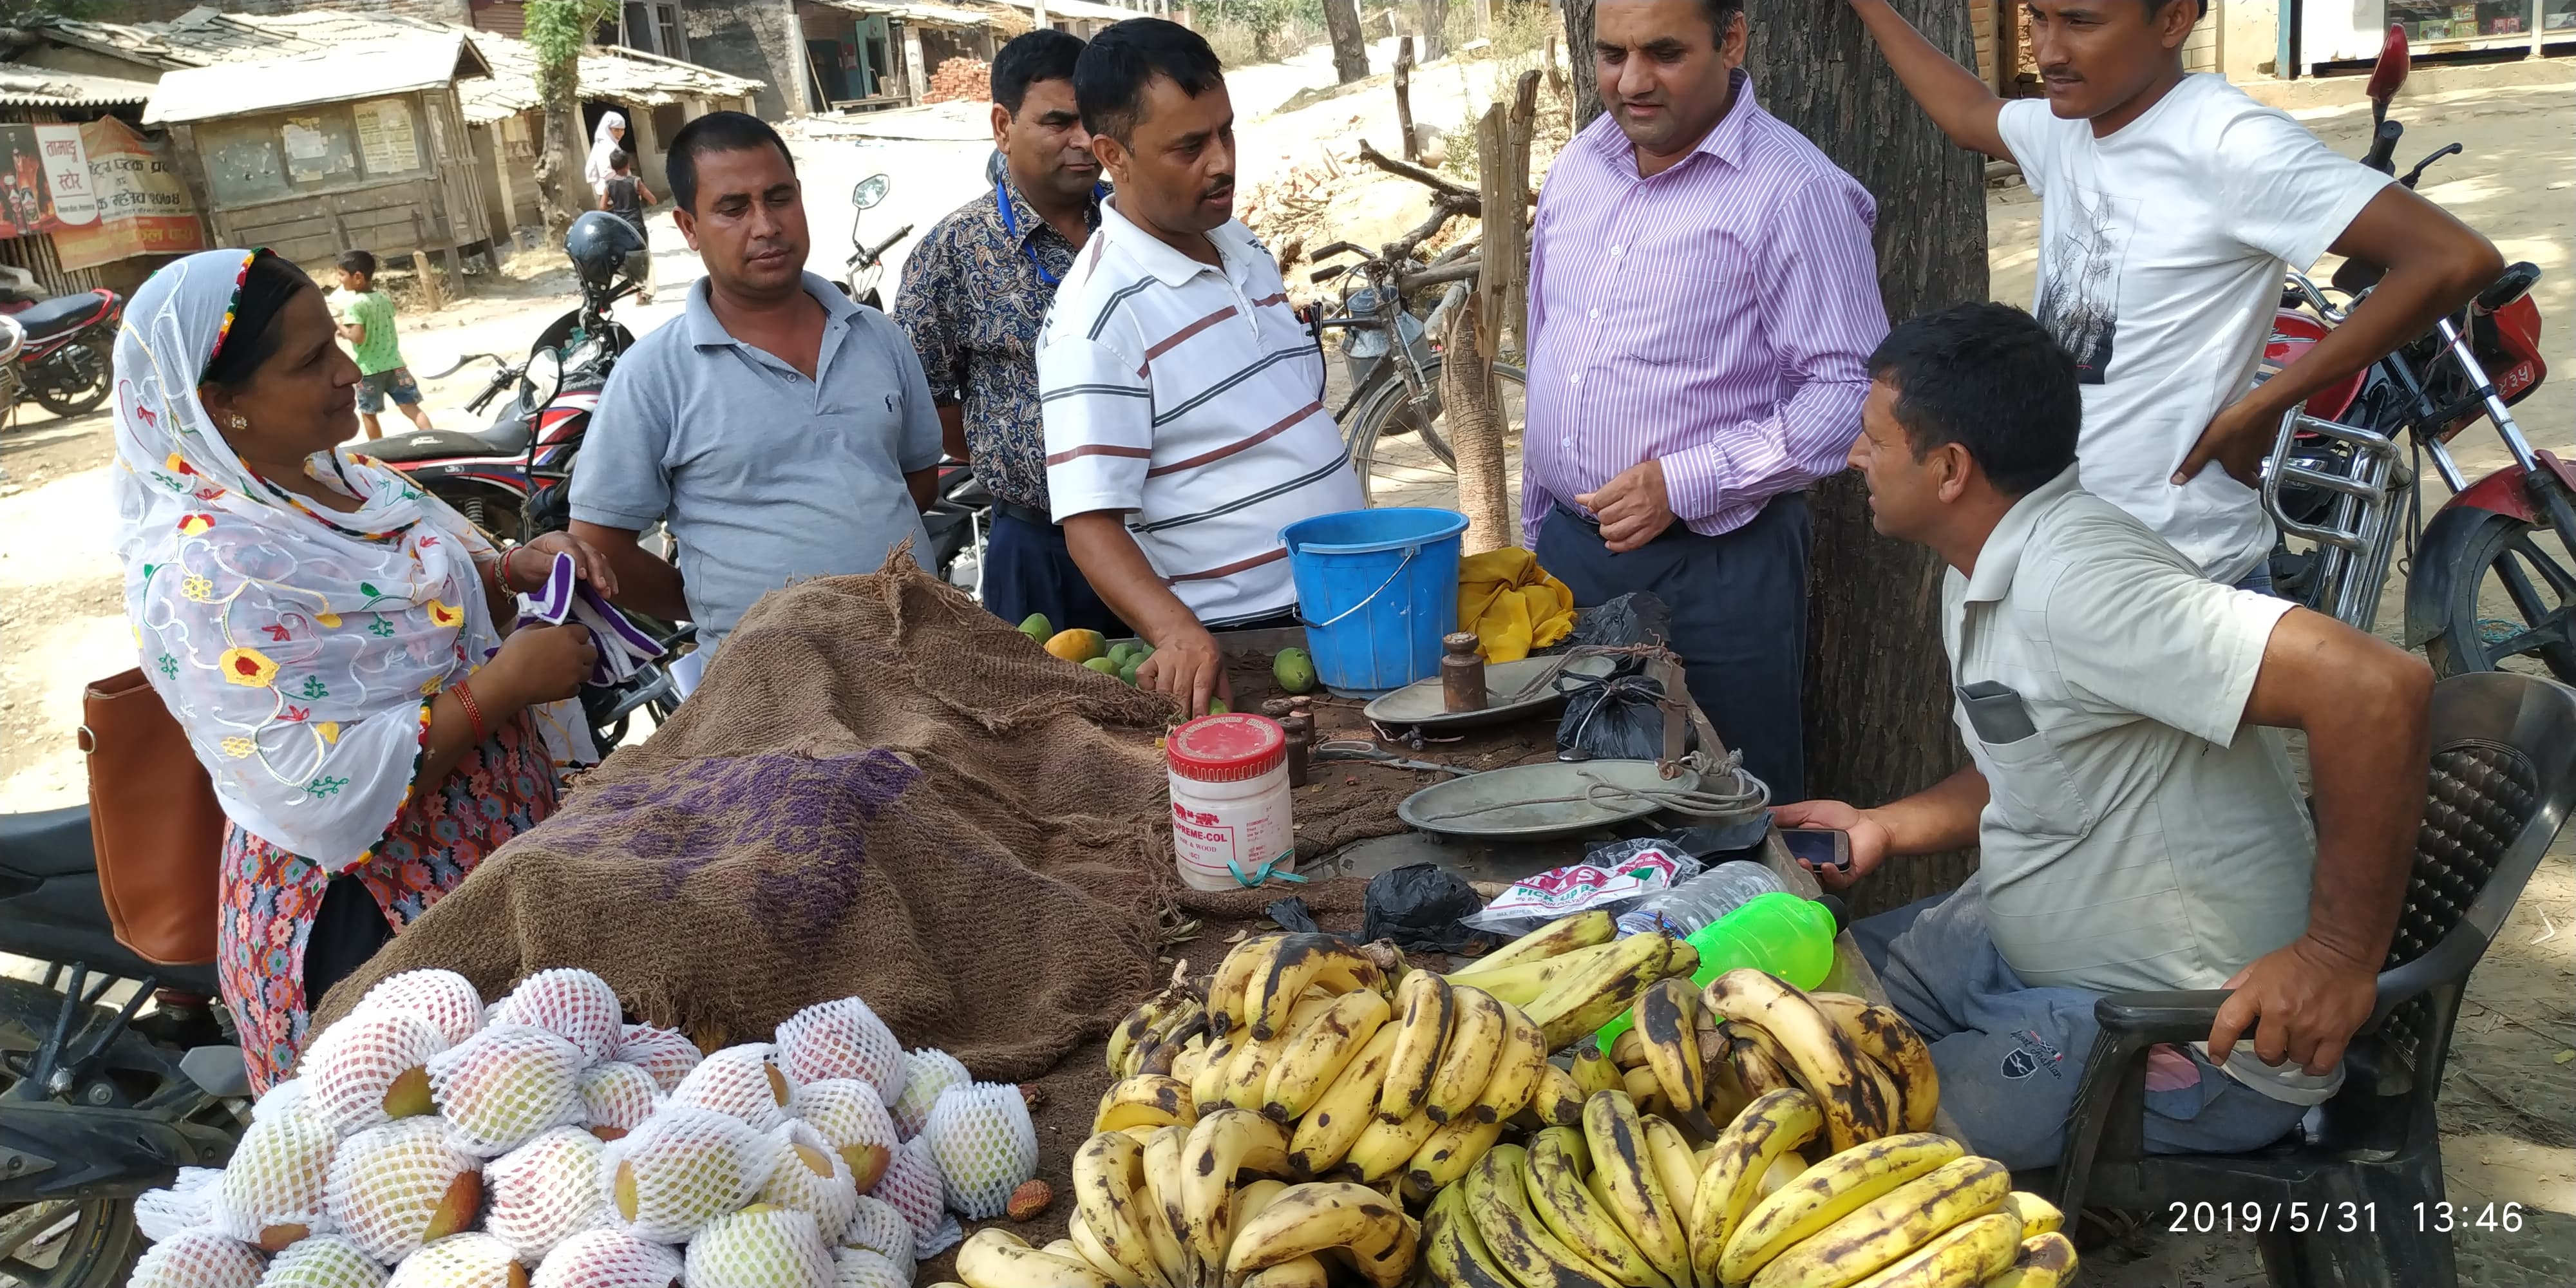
{"points": [[2252, 1217]]}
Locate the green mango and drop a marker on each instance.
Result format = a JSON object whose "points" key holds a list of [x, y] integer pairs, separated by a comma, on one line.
{"points": [[1128, 672], [1122, 651], [1294, 671], [1037, 627], [1217, 707], [1102, 665]]}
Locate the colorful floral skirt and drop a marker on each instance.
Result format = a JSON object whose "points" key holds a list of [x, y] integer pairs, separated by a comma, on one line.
{"points": [[270, 897]]}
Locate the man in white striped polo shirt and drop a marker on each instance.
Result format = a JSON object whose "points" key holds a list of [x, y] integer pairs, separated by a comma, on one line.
{"points": [[1183, 399]]}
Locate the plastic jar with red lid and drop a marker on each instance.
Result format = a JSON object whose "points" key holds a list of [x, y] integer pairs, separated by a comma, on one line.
{"points": [[1231, 823]]}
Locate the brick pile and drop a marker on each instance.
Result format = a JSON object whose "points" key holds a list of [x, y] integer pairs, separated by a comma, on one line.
{"points": [[960, 80]]}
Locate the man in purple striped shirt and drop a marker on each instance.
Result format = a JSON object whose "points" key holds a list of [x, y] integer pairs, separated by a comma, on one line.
{"points": [[1703, 303]]}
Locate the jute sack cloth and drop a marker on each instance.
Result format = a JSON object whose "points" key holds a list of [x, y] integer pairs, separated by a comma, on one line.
{"points": [[879, 789]]}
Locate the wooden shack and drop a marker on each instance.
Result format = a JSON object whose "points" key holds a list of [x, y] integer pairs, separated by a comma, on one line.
{"points": [[362, 147]]}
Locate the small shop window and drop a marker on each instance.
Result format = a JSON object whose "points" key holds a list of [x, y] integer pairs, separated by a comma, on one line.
{"points": [[2435, 21], [2558, 15]]}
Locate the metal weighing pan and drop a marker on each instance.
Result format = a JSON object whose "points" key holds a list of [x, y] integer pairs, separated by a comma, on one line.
{"points": [[1419, 704], [1534, 802]]}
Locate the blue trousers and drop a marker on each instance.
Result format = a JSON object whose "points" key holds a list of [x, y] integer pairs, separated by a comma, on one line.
{"points": [[1027, 569], [2011, 1056], [1739, 602]]}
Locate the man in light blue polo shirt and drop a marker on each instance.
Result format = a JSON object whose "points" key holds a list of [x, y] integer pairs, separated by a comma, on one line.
{"points": [[780, 430]]}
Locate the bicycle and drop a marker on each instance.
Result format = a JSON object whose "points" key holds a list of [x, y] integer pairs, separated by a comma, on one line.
{"points": [[1391, 400]]}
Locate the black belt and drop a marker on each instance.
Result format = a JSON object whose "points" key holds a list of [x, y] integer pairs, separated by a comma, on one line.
{"points": [[1012, 510]]}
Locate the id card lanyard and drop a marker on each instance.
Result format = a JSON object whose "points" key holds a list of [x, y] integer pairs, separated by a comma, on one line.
{"points": [[1011, 228]]}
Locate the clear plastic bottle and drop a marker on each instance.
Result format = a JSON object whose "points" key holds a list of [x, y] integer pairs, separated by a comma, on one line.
{"points": [[1701, 900]]}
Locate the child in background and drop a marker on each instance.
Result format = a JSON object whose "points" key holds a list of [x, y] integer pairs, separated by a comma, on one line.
{"points": [[366, 318], [625, 196]]}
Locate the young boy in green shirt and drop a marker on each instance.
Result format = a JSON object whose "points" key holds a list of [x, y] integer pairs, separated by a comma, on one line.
{"points": [[367, 322]]}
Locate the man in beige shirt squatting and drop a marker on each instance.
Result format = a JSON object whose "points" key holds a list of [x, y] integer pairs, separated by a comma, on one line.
{"points": [[1182, 397], [2138, 823]]}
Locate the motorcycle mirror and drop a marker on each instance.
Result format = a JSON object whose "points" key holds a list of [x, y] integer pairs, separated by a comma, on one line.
{"points": [[2388, 74], [541, 380], [870, 191]]}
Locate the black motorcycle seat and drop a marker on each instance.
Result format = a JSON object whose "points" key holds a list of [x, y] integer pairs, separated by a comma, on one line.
{"points": [[505, 438], [61, 313], [53, 843]]}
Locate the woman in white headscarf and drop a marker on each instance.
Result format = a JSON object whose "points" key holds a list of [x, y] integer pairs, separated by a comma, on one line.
{"points": [[609, 137], [325, 632]]}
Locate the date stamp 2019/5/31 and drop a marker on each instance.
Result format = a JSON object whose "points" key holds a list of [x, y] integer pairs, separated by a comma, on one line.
{"points": [[2344, 1217]]}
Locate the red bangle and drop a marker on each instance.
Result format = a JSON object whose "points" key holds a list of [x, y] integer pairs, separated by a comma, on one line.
{"points": [[473, 710], [505, 567]]}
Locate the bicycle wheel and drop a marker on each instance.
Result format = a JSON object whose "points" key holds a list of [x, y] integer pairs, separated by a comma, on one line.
{"points": [[1418, 468]]}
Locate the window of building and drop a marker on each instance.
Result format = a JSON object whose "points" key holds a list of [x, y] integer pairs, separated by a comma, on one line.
{"points": [[653, 28]]}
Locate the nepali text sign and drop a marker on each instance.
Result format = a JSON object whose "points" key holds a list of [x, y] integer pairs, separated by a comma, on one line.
{"points": [[141, 206]]}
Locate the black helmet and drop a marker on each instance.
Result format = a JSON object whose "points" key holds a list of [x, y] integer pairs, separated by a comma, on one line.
{"points": [[599, 243]]}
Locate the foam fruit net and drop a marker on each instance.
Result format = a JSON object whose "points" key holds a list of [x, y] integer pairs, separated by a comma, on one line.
{"points": [[847, 1113], [184, 1206], [860, 1268], [740, 1082], [776, 1248], [278, 1178], [617, 1096], [912, 1184], [607, 1259], [667, 1054], [572, 1004], [197, 1259], [928, 1071], [504, 1085], [354, 1063], [985, 1145], [545, 1192], [324, 1261], [444, 998], [458, 1261], [387, 1181], [689, 1166], [827, 1195], [842, 1039], [876, 1227]]}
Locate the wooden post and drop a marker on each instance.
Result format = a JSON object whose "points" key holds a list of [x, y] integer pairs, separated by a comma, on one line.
{"points": [[1404, 97], [1472, 418], [1504, 175]]}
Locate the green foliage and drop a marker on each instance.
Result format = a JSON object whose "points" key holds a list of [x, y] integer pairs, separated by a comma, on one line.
{"points": [[13, 12], [558, 30]]}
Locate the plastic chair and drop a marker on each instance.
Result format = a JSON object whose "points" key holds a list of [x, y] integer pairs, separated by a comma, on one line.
{"points": [[2503, 782]]}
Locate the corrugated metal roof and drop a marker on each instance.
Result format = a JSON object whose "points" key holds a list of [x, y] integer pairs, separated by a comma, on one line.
{"points": [[933, 15], [206, 37], [393, 65], [25, 86]]}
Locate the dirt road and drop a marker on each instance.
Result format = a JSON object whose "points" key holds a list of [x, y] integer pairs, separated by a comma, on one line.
{"points": [[2510, 1101]]}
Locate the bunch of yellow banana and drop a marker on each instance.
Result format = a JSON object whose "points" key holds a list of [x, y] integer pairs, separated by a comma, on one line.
{"points": [[1868, 1072], [1571, 976], [1170, 1207], [1153, 1037]]}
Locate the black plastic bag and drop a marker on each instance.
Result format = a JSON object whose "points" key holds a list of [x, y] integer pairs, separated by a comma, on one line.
{"points": [[1292, 915], [1612, 718], [1638, 617], [1418, 906]]}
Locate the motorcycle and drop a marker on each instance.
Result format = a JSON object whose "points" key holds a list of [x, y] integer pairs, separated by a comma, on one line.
{"points": [[56, 350], [511, 478], [99, 1100], [2484, 588], [867, 263]]}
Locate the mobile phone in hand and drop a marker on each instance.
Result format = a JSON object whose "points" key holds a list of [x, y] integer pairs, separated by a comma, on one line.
{"points": [[1818, 847]]}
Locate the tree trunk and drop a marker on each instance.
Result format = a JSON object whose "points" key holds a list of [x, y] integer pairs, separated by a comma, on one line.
{"points": [[562, 192], [1435, 30], [1877, 681], [1412, 149], [1473, 419], [1578, 62], [1350, 49]]}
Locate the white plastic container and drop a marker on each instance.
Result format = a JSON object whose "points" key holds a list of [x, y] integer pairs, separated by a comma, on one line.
{"points": [[1230, 806]]}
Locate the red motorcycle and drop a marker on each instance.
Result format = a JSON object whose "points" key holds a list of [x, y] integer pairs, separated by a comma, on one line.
{"points": [[57, 350], [2489, 578]]}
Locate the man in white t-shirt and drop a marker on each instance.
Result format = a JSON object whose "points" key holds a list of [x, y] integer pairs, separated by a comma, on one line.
{"points": [[2169, 204], [2137, 823], [1182, 398]]}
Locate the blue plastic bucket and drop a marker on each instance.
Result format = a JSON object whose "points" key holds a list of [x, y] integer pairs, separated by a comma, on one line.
{"points": [[1376, 589]]}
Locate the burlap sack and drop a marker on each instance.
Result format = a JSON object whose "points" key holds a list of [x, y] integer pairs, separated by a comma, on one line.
{"points": [[879, 789]]}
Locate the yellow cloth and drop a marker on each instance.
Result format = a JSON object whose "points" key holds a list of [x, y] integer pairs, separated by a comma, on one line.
{"points": [[1511, 604]]}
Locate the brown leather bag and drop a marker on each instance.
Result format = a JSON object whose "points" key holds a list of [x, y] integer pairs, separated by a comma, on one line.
{"points": [[154, 822]]}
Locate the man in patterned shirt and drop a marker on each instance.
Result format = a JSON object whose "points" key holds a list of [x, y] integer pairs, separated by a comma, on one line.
{"points": [[974, 293]]}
